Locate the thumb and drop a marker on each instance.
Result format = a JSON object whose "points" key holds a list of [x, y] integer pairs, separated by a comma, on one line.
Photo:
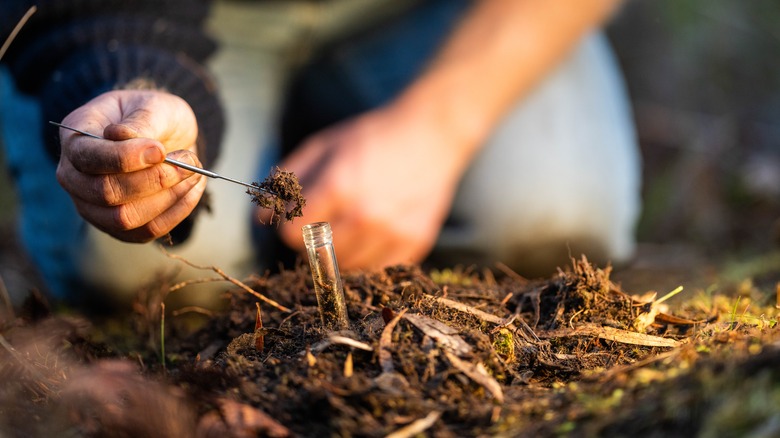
{"points": [[156, 115], [136, 123]]}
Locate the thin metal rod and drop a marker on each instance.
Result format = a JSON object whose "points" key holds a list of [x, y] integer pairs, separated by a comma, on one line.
{"points": [[189, 167]]}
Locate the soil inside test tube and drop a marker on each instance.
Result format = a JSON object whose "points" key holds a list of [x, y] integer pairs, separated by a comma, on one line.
{"points": [[330, 299]]}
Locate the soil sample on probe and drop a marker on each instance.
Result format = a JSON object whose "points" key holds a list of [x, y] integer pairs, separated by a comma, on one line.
{"points": [[281, 193]]}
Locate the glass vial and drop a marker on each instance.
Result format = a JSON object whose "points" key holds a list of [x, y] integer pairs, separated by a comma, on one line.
{"points": [[325, 273]]}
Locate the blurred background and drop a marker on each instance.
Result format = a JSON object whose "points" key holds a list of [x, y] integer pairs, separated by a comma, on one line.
{"points": [[704, 79]]}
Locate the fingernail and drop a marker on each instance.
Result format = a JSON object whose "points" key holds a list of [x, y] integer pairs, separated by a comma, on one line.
{"points": [[153, 156]]}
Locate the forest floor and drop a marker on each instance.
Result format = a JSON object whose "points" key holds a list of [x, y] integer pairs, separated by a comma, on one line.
{"points": [[454, 352]]}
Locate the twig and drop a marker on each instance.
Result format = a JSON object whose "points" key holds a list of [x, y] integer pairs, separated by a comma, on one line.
{"points": [[319, 347], [259, 332], [777, 295], [669, 295], [16, 355], [185, 283], [510, 272], [465, 308], [192, 309], [417, 427], [287, 318], [16, 30], [612, 372], [612, 334], [477, 373], [162, 334], [385, 339], [222, 274]]}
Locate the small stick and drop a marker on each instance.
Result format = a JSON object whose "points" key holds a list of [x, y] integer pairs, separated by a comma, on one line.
{"points": [[192, 309], [16, 30], [162, 334], [777, 295], [182, 284], [417, 427], [385, 340], [477, 373], [484, 316], [510, 272], [259, 336], [19, 358], [222, 274]]}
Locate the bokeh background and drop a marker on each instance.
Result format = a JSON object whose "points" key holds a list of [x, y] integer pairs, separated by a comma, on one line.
{"points": [[704, 79]]}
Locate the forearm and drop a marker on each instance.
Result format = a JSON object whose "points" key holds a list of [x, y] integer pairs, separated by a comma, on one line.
{"points": [[495, 56]]}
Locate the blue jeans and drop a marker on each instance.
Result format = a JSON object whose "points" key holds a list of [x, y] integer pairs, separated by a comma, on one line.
{"points": [[48, 225]]}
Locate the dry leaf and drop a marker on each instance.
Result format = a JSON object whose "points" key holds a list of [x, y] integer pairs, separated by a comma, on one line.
{"points": [[447, 337]]}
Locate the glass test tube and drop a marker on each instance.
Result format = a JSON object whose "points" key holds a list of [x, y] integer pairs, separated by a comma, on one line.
{"points": [[325, 273]]}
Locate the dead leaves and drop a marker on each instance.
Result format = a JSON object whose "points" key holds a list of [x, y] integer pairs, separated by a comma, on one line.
{"points": [[613, 334], [445, 336]]}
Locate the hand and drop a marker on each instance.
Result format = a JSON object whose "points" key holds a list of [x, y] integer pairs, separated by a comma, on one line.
{"points": [[384, 181], [121, 185]]}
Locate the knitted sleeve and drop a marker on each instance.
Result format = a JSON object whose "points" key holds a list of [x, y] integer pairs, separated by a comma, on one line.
{"points": [[73, 50]]}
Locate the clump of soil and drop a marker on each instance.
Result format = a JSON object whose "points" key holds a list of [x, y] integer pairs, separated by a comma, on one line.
{"points": [[281, 193], [460, 353]]}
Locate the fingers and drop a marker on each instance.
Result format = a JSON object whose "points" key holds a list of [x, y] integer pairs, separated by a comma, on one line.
{"points": [[148, 218], [93, 156], [116, 188], [120, 184], [161, 116], [136, 206]]}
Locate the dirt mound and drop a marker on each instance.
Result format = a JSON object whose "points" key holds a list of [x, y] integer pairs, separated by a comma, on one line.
{"points": [[446, 353]]}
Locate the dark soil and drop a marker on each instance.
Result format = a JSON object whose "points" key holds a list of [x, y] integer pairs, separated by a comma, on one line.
{"points": [[279, 192], [443, 353]]}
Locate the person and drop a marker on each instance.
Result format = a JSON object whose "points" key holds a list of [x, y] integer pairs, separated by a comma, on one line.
{"points": [[450, 131]]}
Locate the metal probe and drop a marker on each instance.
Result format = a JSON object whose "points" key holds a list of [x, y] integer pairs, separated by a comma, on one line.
{"points": [[189, 167]]}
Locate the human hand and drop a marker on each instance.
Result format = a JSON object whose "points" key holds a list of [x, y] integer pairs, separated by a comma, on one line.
{"points": [[121, 184], [384, 181]]}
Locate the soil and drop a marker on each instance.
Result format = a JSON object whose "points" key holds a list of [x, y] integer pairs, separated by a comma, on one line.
{"points": [[440, 353], [279, 192]]}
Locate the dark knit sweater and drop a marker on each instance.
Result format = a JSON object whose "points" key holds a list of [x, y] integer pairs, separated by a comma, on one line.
{"points": [[73, 50]]}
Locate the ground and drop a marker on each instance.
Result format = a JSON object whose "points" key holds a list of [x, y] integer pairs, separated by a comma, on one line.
{"points": [[451, 352], [463, 352]]}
